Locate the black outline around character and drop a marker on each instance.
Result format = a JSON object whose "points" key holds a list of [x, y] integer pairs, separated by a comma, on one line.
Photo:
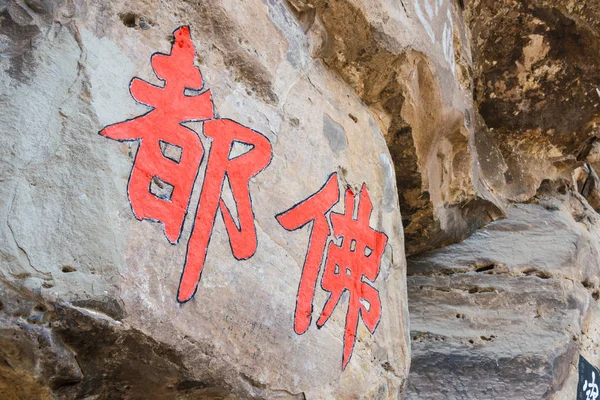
{"points": [[312, 222], [225, 176], [204, 155], [181, 123], [174, 145], [332, 241]]}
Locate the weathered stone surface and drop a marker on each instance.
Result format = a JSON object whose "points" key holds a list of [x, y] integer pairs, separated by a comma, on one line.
{"points": [[535, 84], [506, 313], [410, 62], [458, 113], [89, 293]]}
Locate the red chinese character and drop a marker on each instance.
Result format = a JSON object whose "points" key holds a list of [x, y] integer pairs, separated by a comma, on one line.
{"points": [[162, 127], [163, 124], [357, 255], [238, 170], [314, 209]]}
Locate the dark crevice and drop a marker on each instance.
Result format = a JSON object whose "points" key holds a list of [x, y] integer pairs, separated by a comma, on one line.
{"points": [[536, 272], [441, 272], [478, 289], [68, 268], [469, 290], [129, 19], [486, 268]]}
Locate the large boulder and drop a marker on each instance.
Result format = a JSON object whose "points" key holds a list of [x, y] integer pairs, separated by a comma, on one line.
{"points": [[89, 294]]}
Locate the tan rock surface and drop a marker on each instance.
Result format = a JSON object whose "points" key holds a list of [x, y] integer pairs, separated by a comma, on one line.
{"points": [[507, 313]]}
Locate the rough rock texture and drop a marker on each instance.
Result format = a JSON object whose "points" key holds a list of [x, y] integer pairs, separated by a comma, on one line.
{"points": [[88, 293], [478, 119], [535, 84], [506, 313], [411, 62]]}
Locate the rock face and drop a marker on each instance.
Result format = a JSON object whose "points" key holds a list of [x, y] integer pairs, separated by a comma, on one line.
{"points": [[536, 78], [252, 195], [507, 313], [410, 62], [89, 294]]}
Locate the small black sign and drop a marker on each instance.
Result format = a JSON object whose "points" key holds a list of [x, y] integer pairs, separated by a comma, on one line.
{"points": [[589, 377]]}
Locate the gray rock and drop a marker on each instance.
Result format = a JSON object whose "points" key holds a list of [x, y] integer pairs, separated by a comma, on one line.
{"points": [[89, 293], [506, 313]]}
